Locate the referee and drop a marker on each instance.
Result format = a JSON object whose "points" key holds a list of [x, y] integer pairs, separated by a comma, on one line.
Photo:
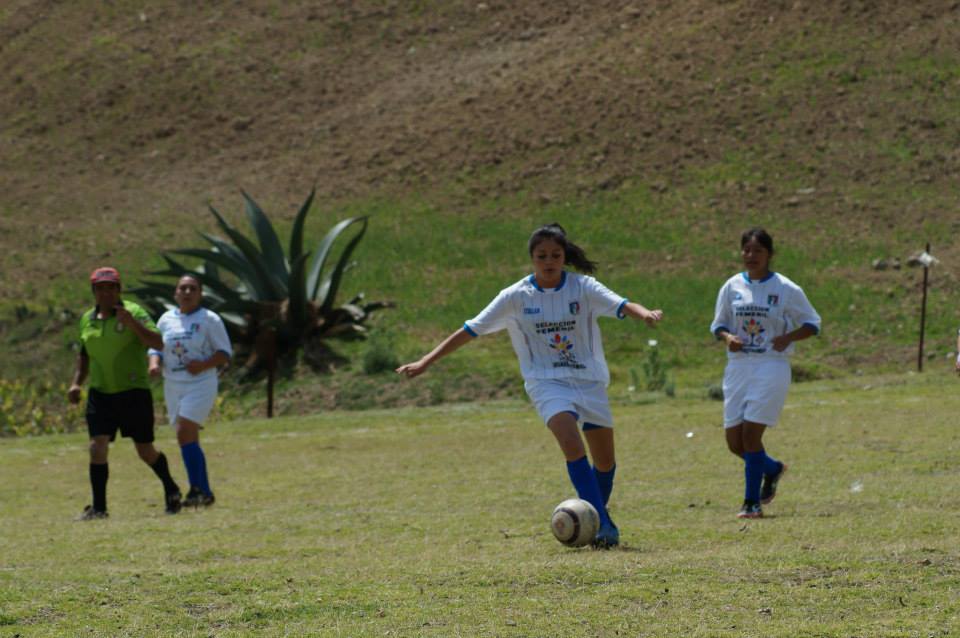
{"points": [[114, 338]]}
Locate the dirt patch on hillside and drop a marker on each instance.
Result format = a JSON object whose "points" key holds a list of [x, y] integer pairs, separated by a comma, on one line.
{"points": [[110, 113]]}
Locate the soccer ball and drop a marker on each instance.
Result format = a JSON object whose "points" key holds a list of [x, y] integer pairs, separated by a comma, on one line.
{"points": [[575, 522]]}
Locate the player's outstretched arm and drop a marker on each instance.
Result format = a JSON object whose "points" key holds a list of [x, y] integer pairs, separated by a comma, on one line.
{"points": [[448, 345], [650, 317]]}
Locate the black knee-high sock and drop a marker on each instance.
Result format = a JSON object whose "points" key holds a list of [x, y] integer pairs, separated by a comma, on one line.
{"points": [[99, 474], [162, 470]]}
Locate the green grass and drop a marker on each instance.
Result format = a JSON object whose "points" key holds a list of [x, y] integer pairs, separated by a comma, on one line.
{"points": [[646, 249], [876, 156], [433, 522]]}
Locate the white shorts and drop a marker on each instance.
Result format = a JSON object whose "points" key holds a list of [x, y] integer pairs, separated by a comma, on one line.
{"points": [[754, 390], [587, 399], [192, 400]]}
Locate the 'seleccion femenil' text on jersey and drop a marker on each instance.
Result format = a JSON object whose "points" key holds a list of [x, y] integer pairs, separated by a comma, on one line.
{"points": [[554, 331], [758, 311], [192, 337]]}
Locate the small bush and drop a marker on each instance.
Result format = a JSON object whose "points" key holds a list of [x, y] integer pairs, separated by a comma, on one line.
{"points": [[670, 389], [654, 369], [807, 371], [32, 408], [380, 357], [715, 391]]}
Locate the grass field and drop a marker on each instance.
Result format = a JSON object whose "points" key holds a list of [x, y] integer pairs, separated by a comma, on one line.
{"points": [[433, 522]]}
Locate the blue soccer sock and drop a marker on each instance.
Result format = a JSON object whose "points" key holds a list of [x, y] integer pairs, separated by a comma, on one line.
{"points": [[771, 466], [196, 464], [585, 482], [753, 475], [605, 482]]}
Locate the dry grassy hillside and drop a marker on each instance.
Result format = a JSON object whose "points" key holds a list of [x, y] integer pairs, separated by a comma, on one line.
{"points": [[121, 118]]}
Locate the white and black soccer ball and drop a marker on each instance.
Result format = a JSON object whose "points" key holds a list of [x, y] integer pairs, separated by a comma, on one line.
{"points": [[575, 522]]}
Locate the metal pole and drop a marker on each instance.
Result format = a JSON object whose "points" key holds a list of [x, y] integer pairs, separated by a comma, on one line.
{"points": [[923, 314], [271, 368]]}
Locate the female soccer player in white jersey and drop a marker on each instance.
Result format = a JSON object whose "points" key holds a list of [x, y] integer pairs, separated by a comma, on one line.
{"points": [[551, 317], [759, 315], [195, 344]]}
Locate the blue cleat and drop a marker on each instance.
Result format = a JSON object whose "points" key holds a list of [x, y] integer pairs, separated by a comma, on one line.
{"points": [[608, 536]]}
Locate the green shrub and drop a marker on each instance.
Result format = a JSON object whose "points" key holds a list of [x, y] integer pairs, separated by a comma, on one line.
{"points": [[32, 408], [654, 369], [380, 357]]}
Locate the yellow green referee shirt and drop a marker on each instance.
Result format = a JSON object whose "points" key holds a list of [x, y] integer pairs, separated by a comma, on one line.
{"points": [[118, 361]]}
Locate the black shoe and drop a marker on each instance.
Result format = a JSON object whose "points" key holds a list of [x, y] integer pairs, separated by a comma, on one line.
{"points": [[90, 514], [769, 487], [750, 510], [196, 498], [173, 502]]}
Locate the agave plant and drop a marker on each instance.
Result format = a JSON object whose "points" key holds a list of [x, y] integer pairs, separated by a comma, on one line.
{"points": [[292, 297]]}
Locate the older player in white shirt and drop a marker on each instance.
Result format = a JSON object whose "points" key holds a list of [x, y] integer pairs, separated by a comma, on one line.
{"points": [[759, 315], [195, 344], [551, 317]]}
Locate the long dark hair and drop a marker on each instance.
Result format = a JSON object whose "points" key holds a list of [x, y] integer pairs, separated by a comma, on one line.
{"points": [[761, 235], [572, 254]]}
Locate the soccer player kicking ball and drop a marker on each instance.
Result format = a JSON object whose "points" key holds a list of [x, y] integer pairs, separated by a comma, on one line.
{"points": [[551, 317], [759, 315]]}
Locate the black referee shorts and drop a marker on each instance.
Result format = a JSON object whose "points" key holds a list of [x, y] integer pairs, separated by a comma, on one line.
{"points": [[130, 411]]}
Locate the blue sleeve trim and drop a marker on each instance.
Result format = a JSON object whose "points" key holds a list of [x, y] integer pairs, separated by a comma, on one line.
{"points": [[816, 328], [469, 330], [229, 354], [716, 332], [623, 303]]}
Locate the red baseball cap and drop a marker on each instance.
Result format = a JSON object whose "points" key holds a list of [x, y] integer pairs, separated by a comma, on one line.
{"points": [[105, 274]]}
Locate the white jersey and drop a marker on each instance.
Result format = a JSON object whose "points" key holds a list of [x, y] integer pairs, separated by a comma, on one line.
{"points": [[192, 337], [758, 311], [554, 331]]}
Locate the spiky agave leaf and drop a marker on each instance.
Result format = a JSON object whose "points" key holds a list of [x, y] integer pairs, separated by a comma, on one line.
{"points": [[270, 247], [320, 255], [269, 280], [207, 275], [328, 291], [209, 269], [226, 256], [293, 297], [296, 234]]}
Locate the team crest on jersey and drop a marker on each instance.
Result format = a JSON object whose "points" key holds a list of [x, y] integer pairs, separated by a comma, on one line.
{"points": [[737, 296], [773, 300], [564, 347], [119, 327], [531, 311], [574, 307], [195, 327], [755, 332], [179, 350]]}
